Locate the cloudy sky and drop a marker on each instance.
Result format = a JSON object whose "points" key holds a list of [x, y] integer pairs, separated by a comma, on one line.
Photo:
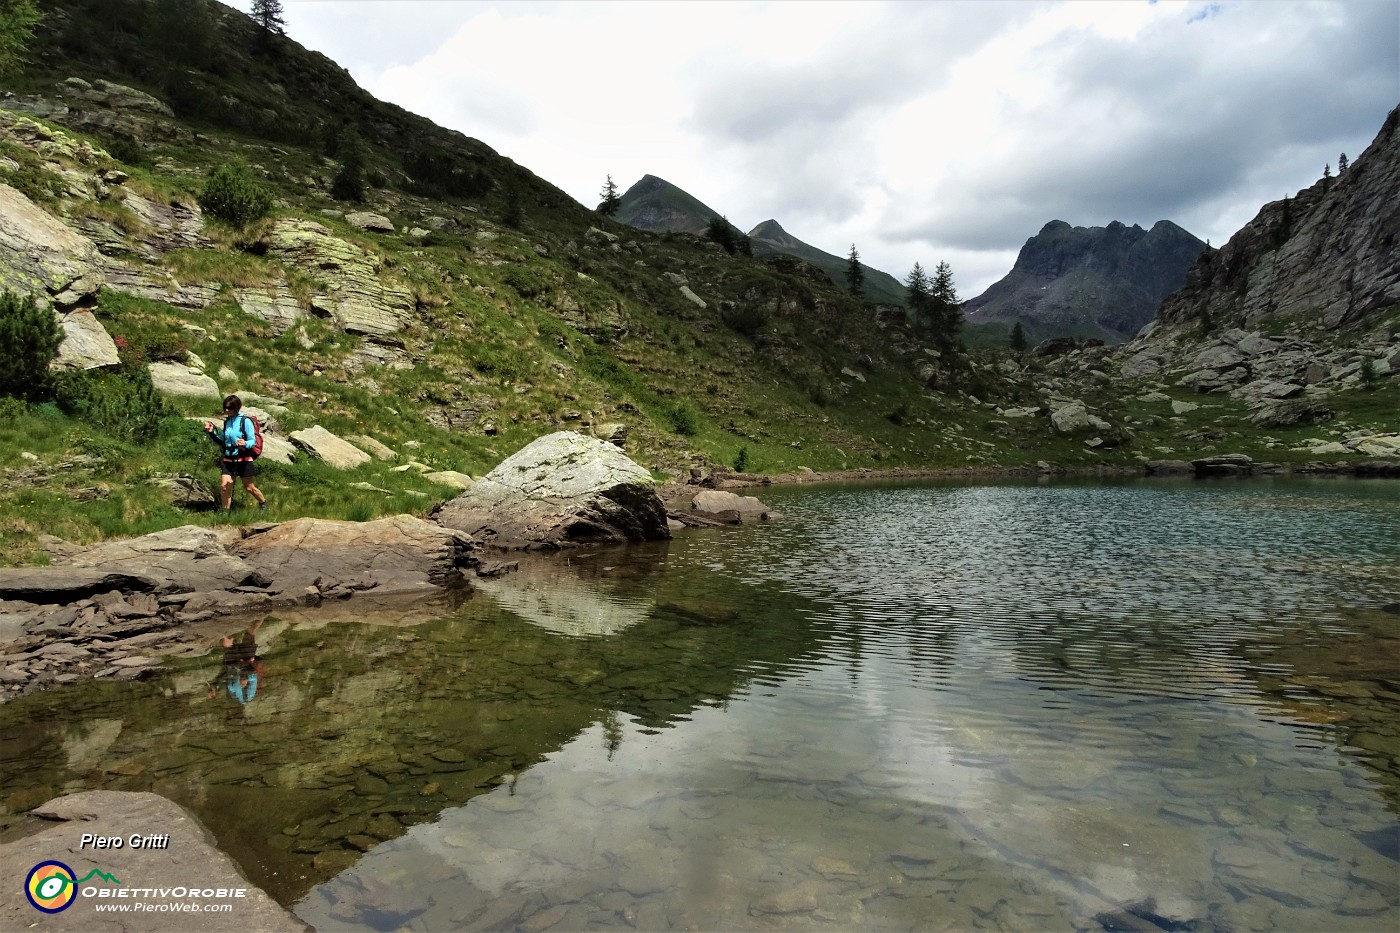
{"points": [[919, 131]]}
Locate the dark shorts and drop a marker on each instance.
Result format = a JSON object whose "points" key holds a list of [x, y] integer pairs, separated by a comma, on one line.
{"points": [[239, 468], [246, 650]]}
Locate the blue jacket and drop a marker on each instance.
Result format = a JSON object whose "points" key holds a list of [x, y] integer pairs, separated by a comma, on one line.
{"points": [[235, 427]]}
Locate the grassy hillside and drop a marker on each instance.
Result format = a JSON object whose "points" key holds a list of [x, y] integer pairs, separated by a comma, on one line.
{"points": [[530, 313]]}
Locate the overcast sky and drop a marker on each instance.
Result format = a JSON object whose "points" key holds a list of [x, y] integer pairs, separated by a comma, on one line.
{"points": [[919, 131]]}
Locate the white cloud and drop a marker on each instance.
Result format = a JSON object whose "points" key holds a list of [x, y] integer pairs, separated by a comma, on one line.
{"points": [[921, 131]]}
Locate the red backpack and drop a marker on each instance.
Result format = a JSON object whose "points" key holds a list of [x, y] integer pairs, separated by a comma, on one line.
{"points": [[254, 450]]}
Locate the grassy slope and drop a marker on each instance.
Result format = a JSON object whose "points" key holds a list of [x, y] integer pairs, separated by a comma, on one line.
{"points": [[491, 334]]}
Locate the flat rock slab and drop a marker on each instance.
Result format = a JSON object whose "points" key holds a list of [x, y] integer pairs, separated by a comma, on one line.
{"points": [[293, 554], [155, 883], [333, 450], [60, 584], [190, 557]]}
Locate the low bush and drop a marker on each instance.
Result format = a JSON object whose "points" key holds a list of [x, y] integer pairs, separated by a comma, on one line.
{"points": [[685, 420], [30, 334], [232, 195], [124, 404]]}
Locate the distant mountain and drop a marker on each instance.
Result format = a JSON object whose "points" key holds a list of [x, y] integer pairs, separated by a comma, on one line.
{"points": [[769, 238], [1090, 281], [656, 205], [1327, 256]]}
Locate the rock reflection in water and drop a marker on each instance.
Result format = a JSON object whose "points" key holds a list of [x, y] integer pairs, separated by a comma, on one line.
{"points": [[591, 594]]}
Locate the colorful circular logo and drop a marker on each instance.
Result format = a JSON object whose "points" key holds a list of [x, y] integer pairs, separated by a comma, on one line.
{"points": [[51, 887]]}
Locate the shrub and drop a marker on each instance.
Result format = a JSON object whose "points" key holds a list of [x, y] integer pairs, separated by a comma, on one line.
{"points": [[123, 404], [747, 318], [742, 462], [232, 195], [685, 419], [30, 335]]}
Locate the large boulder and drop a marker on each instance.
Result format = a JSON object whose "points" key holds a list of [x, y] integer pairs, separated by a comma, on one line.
{"points": [[398, 549], [561, 490], [86, 343], [717, 503], [42, 256], [159, 877], [328, 447], [179, 379]]}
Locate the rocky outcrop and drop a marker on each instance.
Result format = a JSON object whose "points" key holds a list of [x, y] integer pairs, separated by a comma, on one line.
{"points": [[400, 549], [42, 256], [1074, 279], [1330, 255], [560, 490], [185, 859], [361, 296]]}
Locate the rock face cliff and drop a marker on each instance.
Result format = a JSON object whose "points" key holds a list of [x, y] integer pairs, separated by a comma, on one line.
{"points": [[1330, 255], [1097, 281]]}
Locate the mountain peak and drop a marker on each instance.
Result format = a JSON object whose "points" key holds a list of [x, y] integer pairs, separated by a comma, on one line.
{"points": [[1101, 281]]}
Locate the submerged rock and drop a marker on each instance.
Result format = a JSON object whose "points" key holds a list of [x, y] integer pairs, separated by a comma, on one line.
{"points": [[561, 490]]}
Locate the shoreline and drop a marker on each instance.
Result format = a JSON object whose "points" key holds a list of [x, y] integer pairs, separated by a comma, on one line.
{"points": [[122, 625]]}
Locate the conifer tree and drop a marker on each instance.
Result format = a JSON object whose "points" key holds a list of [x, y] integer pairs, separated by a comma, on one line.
{"points": [[946, 309], [611, 202], [855, 274], [30, 334], [1018, 338], [920, 301], [349, 184], [1342, 163], [17, 21], [721, 231], [268, 15]]}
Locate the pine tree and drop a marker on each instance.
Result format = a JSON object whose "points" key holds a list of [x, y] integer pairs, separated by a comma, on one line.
{"points": [[268, 15], [1018, 338], [919, 300], [349, 183], [721, 231], [611, 202], [855, 274], [1342, 163], [30, 334], [947, 310], [17, 21]]}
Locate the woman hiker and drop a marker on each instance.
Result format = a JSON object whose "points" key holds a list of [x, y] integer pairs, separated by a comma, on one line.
{"points": [[236, 441]]}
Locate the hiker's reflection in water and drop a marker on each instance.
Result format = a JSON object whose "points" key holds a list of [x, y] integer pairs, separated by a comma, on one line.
{"points": [[242, 669]]}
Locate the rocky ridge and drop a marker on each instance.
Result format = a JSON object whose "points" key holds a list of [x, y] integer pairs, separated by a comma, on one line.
{"points": [[1107, 279], [1330, 255]]}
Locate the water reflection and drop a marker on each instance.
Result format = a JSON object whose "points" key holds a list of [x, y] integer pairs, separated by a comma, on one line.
{"points": [[243, 669], [1035, 707]]}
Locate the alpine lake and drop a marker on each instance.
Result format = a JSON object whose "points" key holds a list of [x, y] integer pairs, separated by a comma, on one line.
{"points": [[1056, 705]]}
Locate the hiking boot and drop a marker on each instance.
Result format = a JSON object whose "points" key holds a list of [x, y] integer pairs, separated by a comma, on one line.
{"points": [[262, 506]]}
